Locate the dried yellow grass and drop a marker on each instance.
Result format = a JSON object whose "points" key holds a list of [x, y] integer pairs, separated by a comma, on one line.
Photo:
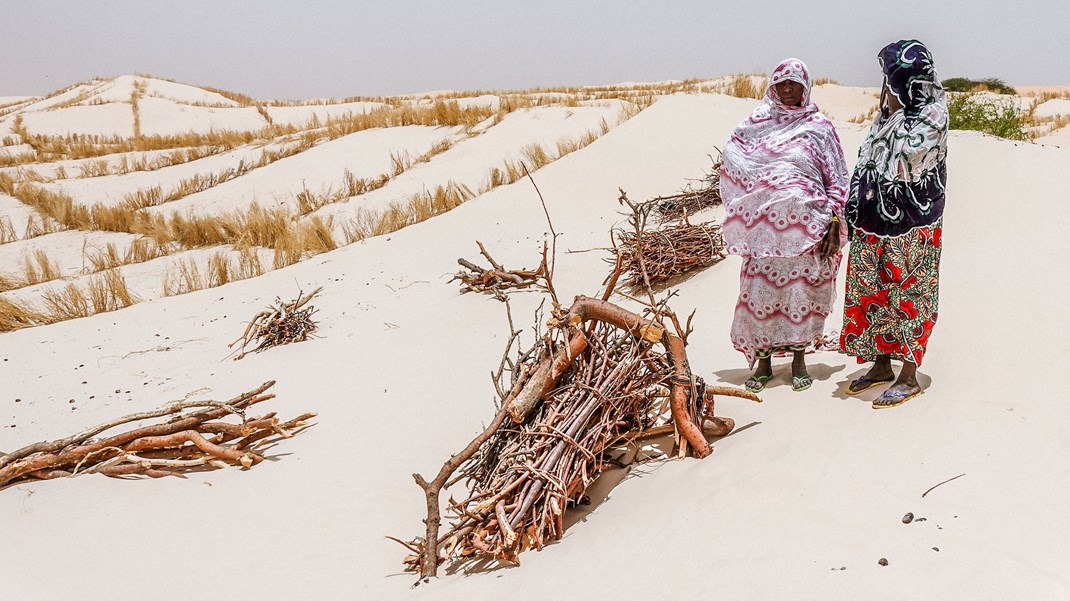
{"points": [[65, 303], [182, 277], [108, 292], [38, 268], [135, 95], [744, 86], [15, 316], [39, 225], [249, 263], [220, 270], [107, 257], [7, 230]]}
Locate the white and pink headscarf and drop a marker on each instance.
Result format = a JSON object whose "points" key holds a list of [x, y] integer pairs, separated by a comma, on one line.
{"points": [[783, 176]]}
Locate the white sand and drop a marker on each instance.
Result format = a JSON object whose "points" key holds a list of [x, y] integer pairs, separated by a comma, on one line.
{"points": [[469, 162], [161, 116], [70, 250], [301, 115], [843, 102], [15, 214], [120, 89], [110, 189], [808, 484], [112, 119], [321, 170], [1053, 107]]}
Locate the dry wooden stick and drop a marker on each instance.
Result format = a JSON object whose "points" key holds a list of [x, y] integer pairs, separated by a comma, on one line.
{"points": [[188, 439], [497, 279], [279, 324]]}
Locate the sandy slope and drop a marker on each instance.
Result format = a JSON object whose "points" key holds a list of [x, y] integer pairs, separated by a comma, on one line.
{"points": [[843, 102], [110, 189], [809, 483], [468, 163], [301, 115], [321, 169]]}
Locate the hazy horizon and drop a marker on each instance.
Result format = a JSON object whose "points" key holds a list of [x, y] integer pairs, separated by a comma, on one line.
{"points": [[329, 48]]}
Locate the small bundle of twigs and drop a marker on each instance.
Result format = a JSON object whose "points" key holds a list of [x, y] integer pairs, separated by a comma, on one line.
{"points": [[497, 278], [279, 324], [654, 256], [695, 197], [186, 441]]}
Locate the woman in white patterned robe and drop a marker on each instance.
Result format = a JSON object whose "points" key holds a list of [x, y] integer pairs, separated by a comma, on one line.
{"points": [[784, 184]]}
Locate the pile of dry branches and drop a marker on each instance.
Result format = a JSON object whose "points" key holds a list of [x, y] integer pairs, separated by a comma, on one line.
{"points": [[497, 278], [692, 199], [600, 378], [279, 324], [187, 440], [654, 256]]}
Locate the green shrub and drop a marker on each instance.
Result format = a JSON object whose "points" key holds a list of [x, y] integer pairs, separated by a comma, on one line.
{"points": [[997, 116], [963, 84]]}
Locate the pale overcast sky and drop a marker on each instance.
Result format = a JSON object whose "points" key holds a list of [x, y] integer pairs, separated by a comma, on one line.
{"points": [[275, 49]]}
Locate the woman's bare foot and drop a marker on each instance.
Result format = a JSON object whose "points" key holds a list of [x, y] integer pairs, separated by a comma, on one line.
{"points": [[905, 388], [800, 379], [878, 374], [762, 374]]}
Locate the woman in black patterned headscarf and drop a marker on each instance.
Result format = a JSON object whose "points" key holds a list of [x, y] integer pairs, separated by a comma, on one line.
{"points": [[895, 215]]}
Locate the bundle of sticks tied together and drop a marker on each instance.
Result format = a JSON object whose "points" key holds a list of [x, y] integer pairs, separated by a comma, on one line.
{"points": [[695, 197], [496, 279], [601, 378], [652, 256], [279, 324], [185, 440]]}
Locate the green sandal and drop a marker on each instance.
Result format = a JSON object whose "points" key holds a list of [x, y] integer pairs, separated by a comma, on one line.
{"points": [[757, 383], [801, 383]]}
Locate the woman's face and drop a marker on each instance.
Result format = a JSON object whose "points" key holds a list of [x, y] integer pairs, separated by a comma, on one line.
{"points": [[789, 92]]}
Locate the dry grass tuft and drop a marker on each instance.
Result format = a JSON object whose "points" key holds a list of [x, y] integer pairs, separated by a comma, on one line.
{"points": [[38, 268], [108, 292], [15, 316], [182, 277], [748, 86], [7, 230], [66, 303], [249, 263]]}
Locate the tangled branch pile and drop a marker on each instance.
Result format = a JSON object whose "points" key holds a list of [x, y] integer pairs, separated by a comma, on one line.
{"points": [[602, 377], [654, 256], [279, 324], [690, 200], [187, 440], [497, 278]]}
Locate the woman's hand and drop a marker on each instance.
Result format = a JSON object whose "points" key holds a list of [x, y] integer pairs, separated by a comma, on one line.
{"points": [[830, 244]]}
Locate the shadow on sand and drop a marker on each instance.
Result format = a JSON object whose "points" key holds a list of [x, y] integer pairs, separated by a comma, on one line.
{"points": [[636, 461]]}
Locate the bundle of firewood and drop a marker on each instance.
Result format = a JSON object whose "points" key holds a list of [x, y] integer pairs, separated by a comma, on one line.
{"points": [[653, 256], [695, 197], [181, 440], [600, 379], [496, 279], [279, 324]]}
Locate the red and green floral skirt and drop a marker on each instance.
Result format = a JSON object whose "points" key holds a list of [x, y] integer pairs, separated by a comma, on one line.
{"points": [[892, 294]]}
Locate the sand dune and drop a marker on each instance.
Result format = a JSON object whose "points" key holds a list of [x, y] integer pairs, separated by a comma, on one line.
{"points": [[800, 502]]}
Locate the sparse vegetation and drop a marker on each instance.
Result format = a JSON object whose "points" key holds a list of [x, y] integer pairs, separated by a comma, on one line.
{"points": [[964, 84], [7, 231], [999, 117], [291, 237]]}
